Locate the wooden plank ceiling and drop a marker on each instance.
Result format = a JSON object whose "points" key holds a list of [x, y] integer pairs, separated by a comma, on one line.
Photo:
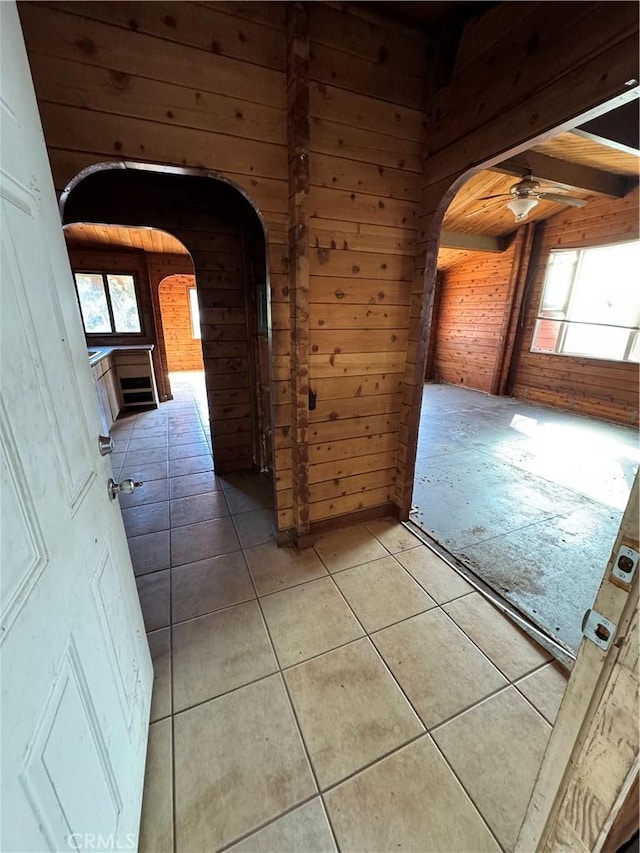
{"points": [[88, 236], [468, 214], [578, 149]]}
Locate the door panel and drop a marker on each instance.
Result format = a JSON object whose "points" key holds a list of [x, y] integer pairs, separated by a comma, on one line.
{"points": [[76, 673]]}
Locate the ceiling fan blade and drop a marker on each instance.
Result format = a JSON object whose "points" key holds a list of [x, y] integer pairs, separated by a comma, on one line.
{"points": [[563, 199], [487, 197], [547, 187]]}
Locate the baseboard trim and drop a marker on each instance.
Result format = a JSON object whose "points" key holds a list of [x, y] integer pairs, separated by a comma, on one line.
{"points": [[327, 525]]}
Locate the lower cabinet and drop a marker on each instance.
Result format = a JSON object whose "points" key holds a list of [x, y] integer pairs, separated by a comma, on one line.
{"points": [[107, 391], [136, 379], [124, 380]]}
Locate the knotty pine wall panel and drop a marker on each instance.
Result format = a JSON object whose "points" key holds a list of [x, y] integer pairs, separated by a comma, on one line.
{"points": [[367, 138], [184, 352], [471, 308], [159, 266], [604, 389], [183, 84]]}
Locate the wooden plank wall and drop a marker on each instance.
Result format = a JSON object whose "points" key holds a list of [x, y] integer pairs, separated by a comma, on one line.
{"points": [[204, 85], [183, 84], [604, 389], [159, 266], [367, 136], [520, 73], [471, 309], [184, 351]]}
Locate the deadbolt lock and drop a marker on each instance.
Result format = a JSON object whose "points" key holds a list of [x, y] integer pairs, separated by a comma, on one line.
{"points": [[105, 444]]}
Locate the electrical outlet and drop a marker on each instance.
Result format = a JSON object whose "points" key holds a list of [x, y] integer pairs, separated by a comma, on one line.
{"points": [[625, 564]]}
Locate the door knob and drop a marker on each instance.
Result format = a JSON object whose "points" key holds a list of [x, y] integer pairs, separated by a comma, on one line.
{"points": [[126, 487], [105, 444]]}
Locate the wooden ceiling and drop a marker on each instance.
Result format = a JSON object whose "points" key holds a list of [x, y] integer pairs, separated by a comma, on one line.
{"points": [[575, 148], [100, 237], [468, 214]]}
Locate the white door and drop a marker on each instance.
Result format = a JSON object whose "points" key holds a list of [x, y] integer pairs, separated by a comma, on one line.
{"points": [[76, 673]]}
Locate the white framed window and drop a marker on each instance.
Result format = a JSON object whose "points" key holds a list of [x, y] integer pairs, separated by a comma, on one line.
{"points": [[108, 303], [590, 303], [194, 310]]}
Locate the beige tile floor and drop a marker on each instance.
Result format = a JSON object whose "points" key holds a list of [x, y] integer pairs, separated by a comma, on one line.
{"points": [[358, 696]]}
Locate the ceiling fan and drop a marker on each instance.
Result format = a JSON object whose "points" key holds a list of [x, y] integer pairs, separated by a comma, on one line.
{"points": [[526, 194]]}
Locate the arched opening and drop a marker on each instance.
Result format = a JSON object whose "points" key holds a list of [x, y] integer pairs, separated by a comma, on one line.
{"points": [[178, 301], [225, 237], [526, 450]]}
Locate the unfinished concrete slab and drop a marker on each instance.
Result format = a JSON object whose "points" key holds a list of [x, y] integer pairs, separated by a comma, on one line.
{"points": [[528, 497]]}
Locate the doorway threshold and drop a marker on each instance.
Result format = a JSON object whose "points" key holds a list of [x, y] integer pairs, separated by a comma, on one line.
{"points": [[564, 656]]}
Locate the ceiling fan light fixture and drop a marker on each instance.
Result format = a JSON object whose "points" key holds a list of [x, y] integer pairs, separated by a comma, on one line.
{"points": [[521, 207]]}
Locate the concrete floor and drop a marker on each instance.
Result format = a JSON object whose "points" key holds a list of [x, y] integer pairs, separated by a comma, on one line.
{"points": [[529, 497]]}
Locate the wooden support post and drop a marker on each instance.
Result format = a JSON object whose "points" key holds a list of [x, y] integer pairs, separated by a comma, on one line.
{"points": [[298, 151], [513, 303], [433, 326]]}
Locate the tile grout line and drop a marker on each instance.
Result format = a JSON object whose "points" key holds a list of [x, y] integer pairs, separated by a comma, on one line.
{"points": [[427, 731], [469, 797], [384, 663], [174, 810], [282, 670], [365, 767], [290, 700], [237, 839], [327, 817], [484, 654], [506, 612]]}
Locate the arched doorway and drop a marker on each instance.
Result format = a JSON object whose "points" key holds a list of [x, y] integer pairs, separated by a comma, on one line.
{"points": [[225, 236], [526, 451], [178, 302]]}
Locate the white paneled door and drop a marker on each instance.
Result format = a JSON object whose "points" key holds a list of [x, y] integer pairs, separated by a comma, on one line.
{"points": [[75, 672]]}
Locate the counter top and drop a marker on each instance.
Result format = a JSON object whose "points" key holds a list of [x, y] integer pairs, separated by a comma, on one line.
{"points": [[96, 354]]}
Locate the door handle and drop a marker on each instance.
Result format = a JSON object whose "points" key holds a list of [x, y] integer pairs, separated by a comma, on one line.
{"points": [[126, 487]]}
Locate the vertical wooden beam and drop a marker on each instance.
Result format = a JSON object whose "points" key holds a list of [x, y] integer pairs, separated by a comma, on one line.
{"points": [[160, 360], [250, 317], [432, 326], [520, 326], [298, 151], [513, 302]]}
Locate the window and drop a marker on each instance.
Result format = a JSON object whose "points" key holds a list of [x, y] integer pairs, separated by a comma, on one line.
{"points": [[590, 304], [108, 303], [195, 313]]}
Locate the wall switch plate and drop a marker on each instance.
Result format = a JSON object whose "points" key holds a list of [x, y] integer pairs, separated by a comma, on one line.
{"points": [[598, 629], [625, 564]]}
